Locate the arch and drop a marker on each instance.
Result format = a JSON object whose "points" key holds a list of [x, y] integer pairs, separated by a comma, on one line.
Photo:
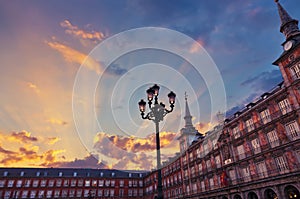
{"points": [[291, 192], [224, 197], [270, 194], [237, 196], [252, 195]]}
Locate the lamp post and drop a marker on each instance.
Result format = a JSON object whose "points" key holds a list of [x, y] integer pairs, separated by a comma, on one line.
{"points": [[156, 114]]}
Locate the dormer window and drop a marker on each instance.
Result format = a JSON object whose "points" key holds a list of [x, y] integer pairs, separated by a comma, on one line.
{"points": [[74, 174], [60, 174], [113, 174], [22, 173], [5, 173], [38, 174]]}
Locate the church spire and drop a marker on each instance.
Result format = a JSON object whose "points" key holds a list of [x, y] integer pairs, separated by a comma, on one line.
{"points": [[187, 117], [288, 25]]}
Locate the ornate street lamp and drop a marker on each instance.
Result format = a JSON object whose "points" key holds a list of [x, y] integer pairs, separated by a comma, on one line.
{"points": [[156, 114]]}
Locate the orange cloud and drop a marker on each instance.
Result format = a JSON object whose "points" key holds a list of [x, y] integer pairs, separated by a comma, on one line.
{"points": [[74, 30], [73, 56], [33, 87], [53, 140], [57, 121], [22, 136], [135, 144], [196, 46]]}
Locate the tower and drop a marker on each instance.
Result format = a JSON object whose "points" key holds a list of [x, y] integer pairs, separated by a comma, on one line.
{"points": [[289, 61], [188, 133]]}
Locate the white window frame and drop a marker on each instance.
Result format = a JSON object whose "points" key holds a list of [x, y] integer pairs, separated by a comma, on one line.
{"points": [[265, 116], [292, 129], [256, 145], [273, 138], [236, 132], [282, 164], [284, 106], [250, 125]]}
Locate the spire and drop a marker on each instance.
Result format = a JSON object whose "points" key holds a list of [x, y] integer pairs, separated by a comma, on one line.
{"points": [[288, 25], [187, 117]]}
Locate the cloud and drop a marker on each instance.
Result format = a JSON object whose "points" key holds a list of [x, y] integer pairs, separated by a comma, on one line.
{"points": [[135, 144], [80, 33], [33, 87], [115, 69], [73, 56], [264, 81], [56, 121], [203, 127], [22, 149], [87, 162], [53, 140], [22, 136]]}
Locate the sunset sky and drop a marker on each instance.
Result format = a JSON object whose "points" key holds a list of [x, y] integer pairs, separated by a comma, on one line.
{"points": [[45, 43]]}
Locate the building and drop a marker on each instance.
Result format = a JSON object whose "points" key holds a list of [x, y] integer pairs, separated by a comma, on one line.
{"points": [[255, 154], [70, 183]]}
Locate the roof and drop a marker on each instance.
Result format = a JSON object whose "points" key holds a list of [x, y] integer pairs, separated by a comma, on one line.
{"points": [[69, 172]]}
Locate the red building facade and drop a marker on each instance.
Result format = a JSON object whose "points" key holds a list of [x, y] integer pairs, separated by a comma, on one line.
{"points": [[255, 154]]}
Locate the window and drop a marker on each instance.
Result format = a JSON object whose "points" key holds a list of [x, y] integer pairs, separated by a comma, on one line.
{"points": [[106, 192], [200, 167], [246, 174], [241, 152], [296, 71], [58, 183], [198, 153], [265, 116], [72, 193], [78, 193], [255, 145], [10, 183], [236, 132], [273, 138], [121, 192], [112, 183], [101, 174], [64, 193], [141, 183], [38, 174], [208, 165], [87, 183], [130, 183], [56, 193], [43, 183], [129, 192], [293, 130], [22, 173], [232, 176], [60, 174], [249, 125], [35, 183], [107, 183], [94, 183], [129, 175], [5, 173], [262, 169], [99, 192], [74, 174], [66, 183], [80, 183], [7, 194], [19, 183], [51, 183], [2, 182], [284, 106], [33, 194], [27, 183], [141, 192], [73, 183], [49, 194], [202, 186], [101, 182], [24, 194], [41, 193], [121, 183], [211, 183], [282, 164], [112, 192], [218, 161], [86, 193]]}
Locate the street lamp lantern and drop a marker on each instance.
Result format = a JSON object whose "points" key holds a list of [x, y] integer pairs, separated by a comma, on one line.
{"points": [[156, 114], [142, 105]]}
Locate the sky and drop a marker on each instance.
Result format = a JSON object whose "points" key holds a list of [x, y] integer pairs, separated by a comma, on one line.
{"points": [[72, 74]]}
